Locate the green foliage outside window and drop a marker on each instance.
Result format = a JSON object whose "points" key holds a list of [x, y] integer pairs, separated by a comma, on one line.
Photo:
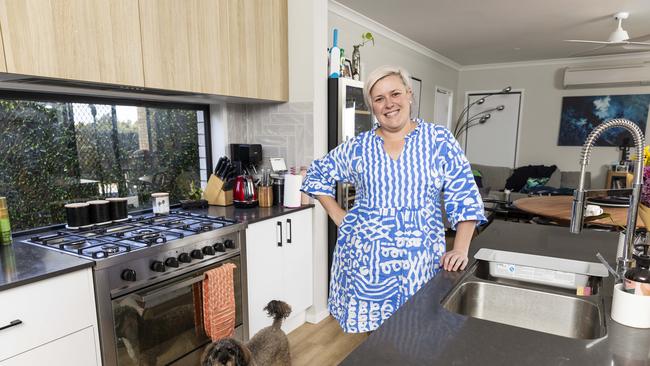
{"points": [[56, 153]]}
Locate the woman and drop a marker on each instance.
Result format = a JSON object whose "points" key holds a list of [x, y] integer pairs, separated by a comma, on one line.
{"points": [[393, 240]]}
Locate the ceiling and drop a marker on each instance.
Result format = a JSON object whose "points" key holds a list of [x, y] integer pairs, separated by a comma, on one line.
{"points": [[475, 32]]}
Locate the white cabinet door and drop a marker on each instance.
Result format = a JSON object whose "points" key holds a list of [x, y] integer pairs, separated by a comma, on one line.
{"points": [[48, 309], [76, 349], [264, 270], [279, 265], [298, 273]]}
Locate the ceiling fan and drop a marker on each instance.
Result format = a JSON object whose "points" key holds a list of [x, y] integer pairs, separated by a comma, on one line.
{"points": [[618, 41]]}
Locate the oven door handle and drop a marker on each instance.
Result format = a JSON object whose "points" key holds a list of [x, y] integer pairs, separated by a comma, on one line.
{"points": [[148, 297]]}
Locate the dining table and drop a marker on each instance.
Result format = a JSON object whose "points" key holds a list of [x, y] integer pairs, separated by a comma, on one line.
{"points": [[558, 209]]}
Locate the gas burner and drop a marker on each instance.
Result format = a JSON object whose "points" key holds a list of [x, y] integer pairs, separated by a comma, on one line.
{"points": [[110, 248], [206, 227], [136, 233], [74, 245]]}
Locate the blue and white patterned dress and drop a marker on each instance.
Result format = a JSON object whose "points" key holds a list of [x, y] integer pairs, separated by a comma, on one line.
{"points": [[391, 242]]}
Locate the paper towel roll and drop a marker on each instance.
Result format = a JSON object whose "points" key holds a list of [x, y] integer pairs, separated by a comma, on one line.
{"points": [[292, 185]]}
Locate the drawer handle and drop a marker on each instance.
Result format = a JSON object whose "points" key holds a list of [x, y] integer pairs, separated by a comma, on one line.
{"points": [[13, 323], [289, 231], [279, 237]]}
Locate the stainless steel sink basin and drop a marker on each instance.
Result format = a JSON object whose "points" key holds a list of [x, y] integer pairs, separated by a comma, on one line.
{"points": [[529, 306]]}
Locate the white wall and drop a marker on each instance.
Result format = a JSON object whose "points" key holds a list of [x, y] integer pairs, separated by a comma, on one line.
{"points": [[308, 82], [542, 102], [388, 51]]}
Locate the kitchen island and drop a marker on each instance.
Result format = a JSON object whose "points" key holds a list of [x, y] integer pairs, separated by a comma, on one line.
{"points": [[422, 332]]}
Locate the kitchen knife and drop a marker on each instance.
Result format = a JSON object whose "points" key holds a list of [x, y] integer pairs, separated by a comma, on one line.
{"points": [[228, 186], [222, 171], [220, 163]]}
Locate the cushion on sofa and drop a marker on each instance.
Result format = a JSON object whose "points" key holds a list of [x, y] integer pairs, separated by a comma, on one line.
{"points": [[556, 179], [519, 176], [493, 176]]}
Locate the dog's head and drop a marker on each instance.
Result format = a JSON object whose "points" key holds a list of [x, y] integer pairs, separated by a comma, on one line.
{"points": [[226, 352]]}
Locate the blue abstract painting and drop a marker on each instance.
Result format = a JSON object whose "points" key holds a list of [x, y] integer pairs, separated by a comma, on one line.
{"points": [[580, 115]]}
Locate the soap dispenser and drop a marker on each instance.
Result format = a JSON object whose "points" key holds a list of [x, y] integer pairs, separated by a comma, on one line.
{"points": [[637, 279]]}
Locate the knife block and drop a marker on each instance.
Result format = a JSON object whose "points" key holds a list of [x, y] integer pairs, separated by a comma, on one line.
{"points": [[214, 193]]}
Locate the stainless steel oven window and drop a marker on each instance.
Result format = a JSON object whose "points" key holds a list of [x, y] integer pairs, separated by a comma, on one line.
{"points": [[163, 324]]}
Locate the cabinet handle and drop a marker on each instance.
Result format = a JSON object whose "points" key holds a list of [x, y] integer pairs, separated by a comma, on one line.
{"points": [[289, 231], [13, 323], [279, 237]]}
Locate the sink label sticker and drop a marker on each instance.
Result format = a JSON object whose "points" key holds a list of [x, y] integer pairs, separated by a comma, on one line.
{"points": [[533, 274]]}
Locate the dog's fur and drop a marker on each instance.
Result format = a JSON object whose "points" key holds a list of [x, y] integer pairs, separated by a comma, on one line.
{"points": [[269, 347]]}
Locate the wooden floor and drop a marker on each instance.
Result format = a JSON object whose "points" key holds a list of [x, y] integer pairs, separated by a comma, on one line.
{"points": [[322, 344]]}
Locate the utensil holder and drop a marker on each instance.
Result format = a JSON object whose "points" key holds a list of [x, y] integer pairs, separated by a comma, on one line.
{"points": [[265, 195], [629, 309]]}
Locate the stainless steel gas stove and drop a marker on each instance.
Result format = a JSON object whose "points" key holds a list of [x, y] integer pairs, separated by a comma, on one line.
{"points": [[148, 272]]}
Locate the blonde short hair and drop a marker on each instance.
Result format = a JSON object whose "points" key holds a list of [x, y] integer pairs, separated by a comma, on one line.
{"points": [[380, 73]]}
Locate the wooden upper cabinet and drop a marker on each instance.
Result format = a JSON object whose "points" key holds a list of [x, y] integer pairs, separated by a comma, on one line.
{"points": [[90, 40], [3, 64], [226, 47]]}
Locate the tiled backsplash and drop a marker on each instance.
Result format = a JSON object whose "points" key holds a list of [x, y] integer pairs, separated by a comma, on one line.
{"points": [[284, 130]]}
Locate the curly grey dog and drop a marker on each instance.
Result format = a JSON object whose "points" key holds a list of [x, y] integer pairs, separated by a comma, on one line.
{"points": [[269, 347]]}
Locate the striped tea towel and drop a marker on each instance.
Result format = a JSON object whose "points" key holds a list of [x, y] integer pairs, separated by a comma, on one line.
{"points": [[219, 302]]}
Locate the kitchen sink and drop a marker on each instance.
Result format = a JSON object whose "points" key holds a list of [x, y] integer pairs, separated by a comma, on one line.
{"points": [[526, 305]]}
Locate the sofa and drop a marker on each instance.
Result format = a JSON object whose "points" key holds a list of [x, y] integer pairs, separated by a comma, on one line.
{"points": [[494, 181]]}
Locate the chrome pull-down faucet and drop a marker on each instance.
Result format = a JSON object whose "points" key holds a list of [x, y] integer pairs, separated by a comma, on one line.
{"points": [[580, 195]]}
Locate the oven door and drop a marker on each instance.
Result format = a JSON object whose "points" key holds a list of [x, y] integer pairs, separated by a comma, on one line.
{"points": [[163, 324]]}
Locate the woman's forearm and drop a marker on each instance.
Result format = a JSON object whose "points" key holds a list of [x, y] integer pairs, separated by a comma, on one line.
{"points": [[464, 233], [335, 212]]}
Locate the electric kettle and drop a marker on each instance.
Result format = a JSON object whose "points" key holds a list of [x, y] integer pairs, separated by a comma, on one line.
{"points": [[244, 193]]}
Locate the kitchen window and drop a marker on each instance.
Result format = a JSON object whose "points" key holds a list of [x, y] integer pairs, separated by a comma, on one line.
{"points": [[57, 151]]}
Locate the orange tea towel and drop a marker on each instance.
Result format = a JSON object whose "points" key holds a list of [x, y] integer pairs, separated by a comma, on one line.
{"points": [[219, 302]]}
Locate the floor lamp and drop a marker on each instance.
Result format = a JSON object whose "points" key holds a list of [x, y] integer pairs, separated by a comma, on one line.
{"points": [[478, 118]]}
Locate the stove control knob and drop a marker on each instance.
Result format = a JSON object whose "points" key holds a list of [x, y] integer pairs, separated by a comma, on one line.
{"points": [[229, 244], [171, 262], [219, 247], [128, 275], [208, 250], [185, 258], [158, 266], [196, 254]]}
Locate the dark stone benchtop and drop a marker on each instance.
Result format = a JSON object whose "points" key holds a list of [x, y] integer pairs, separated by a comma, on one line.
{"points": [[22, 263], [251, 215], [422, 332]]}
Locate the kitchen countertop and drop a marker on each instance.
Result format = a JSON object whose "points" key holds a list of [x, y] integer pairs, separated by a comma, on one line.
{"points": [[422, 332], [22, 263], [250, 215]]}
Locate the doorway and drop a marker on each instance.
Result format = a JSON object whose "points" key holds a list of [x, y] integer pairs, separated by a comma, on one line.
{"points": [[494, 140], [443, 103]]}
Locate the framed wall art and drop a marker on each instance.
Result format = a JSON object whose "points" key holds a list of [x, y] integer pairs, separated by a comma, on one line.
{"points": [[580, 115]]}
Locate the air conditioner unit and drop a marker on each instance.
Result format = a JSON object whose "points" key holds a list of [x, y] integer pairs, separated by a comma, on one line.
{"points": [[600, 76]]}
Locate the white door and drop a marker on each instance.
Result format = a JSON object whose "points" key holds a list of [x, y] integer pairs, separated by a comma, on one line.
{"points": [[442, 107], [493, 142], [264, 260]]}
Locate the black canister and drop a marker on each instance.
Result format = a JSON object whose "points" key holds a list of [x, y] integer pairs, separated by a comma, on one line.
{"points": [[77, 214], [278, 190], [117, 208], [99, 213]]}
